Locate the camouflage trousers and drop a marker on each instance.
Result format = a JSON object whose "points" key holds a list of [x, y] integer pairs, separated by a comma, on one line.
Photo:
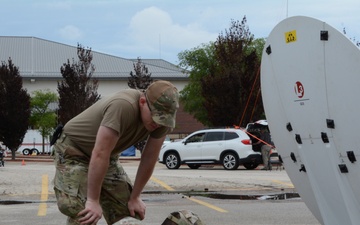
{"points": [[70, 184], [265, 152]]}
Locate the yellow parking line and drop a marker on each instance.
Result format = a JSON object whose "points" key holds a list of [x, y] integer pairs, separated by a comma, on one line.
{"points": [[207, 204], [290, 185], [163, 184], [44, 195], [167, 187]]}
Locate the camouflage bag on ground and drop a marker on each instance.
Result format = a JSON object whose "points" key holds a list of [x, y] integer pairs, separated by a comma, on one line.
{"points": [[182, 217], [128, 221]]}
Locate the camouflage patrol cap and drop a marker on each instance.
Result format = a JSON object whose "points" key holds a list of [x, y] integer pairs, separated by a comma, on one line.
{"points": [[163, 99], [183, 217]]}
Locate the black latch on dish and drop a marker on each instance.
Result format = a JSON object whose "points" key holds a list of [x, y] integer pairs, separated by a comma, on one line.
{"points": [[302, 168], [351, 156], [292, 156], [330, 123], [280, 159], [324, 137], [324, 35], [268, 50], [343, 168], [289, 127], [298, 139]]}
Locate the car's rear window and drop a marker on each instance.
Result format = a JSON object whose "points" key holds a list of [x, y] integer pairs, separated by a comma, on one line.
{"points": [[231, 135], [214, 136]]}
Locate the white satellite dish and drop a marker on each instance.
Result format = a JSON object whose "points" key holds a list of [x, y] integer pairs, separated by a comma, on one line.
{"points": [[310, 79]]}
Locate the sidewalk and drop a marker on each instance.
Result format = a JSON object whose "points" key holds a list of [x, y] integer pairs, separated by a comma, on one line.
{"points": [[48, 158]]}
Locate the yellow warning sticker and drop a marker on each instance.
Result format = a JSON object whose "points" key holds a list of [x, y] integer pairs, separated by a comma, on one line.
{"points": [[290, 36]]}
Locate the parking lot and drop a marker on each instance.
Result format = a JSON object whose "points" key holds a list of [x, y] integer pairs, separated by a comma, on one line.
{"points": [[218, 196]]}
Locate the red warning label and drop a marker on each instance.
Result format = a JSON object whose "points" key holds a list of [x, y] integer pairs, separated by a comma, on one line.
{"points": [[299, 89]]}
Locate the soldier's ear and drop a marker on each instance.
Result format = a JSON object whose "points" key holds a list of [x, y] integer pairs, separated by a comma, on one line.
{"points": [[142, 100]]}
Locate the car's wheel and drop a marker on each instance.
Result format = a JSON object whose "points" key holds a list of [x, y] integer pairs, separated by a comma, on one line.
{"points": [[194, 166], [172, 160], [250, 165], [26, 151], [35, 151], [230, 161]]}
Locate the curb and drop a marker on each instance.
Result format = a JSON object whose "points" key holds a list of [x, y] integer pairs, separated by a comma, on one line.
{"points": [[48, 159]]}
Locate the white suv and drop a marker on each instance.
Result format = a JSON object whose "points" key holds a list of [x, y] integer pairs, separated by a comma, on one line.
{"points": [[228, 147]]}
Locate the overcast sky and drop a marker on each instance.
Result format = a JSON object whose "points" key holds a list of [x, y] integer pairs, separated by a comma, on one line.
{"points": [[153, 29]]}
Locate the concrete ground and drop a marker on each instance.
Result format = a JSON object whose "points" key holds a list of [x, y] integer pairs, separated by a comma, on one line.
{"points": [[216, 195]]}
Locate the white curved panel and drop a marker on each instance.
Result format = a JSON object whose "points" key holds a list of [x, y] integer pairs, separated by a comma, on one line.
{"points": [[310, 74]]}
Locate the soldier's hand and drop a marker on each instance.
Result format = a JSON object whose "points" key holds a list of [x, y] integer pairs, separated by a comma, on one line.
{"points": [[91, 214], [137, 206]]}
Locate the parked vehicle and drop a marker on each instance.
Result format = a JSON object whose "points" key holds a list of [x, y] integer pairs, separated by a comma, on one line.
{"points": [[2, 156], [228, 147], [33, 143], [253, 130], [166, 141], [131, 151]]}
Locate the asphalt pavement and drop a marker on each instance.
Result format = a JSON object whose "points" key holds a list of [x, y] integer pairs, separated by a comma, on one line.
{"points": [[216, 195]]}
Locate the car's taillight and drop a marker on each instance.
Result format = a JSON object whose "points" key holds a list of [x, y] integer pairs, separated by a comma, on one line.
{"points": [[246, 141]]}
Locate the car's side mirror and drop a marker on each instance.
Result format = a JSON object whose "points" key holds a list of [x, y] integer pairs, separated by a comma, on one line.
{"points": [[184, 142]]}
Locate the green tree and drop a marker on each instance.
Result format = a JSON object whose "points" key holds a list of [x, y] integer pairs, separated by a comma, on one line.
{"points": [[198, 61], [78, 90], [257, 45], [224, 78], [142, 78], [14, 107], [42, 116], [227, 86]]}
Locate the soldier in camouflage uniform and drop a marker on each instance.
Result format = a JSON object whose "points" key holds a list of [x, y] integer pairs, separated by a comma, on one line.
{"points": [[89, 180]]}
